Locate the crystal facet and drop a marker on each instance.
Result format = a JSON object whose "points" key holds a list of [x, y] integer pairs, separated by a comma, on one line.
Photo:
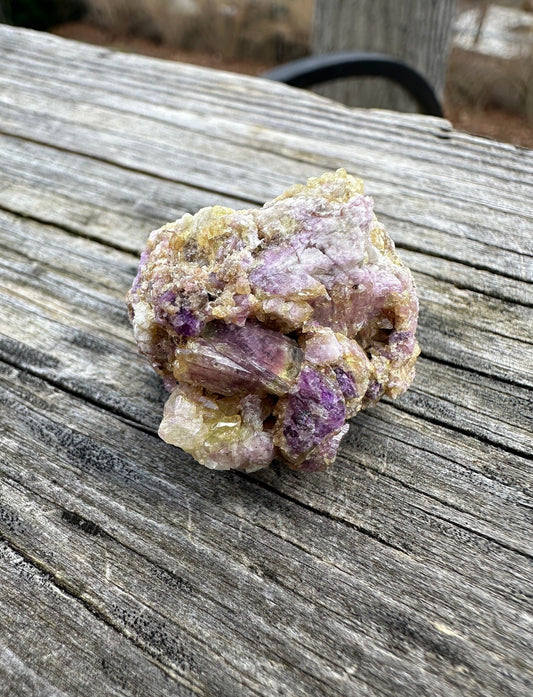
{"points": [[271, 327]]}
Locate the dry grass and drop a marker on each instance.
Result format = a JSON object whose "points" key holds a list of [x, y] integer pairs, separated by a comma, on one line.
{"points": [[487, 82], [268, 30], [494, 82]]}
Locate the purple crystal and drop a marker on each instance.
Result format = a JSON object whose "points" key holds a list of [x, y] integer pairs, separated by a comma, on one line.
{"points": [[374, 391], [324, 454], [281, 273], [238, 360], [314, 411], [346, 383], [167, 310], [186, 323]]}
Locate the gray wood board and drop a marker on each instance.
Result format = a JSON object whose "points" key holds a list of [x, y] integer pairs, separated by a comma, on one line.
{"points": [[212, 127], [125, 567], [233, 586]]}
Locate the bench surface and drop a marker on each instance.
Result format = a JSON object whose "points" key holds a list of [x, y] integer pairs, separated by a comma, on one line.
{"points": [[128, 569]]}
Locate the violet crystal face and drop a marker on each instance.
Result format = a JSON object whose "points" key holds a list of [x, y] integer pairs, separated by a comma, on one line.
{"points": [[272, 327]]}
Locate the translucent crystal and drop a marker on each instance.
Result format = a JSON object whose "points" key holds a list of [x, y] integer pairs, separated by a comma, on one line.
{"points": [[271, 327]]}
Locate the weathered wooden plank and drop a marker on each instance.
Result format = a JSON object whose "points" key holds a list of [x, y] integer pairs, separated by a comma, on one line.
{"points": [[416, 176], [404, 569], [387, 620], [473, 403], [165, 152], [465, 277], [468, 334], [82, 341], [239, 101], [464, 183], [93, 198], [51, 644], [451, 471], [218, 93]]}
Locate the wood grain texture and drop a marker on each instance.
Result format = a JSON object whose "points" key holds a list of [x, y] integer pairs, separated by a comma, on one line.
{"points": [[416, 31], [278, 579], [437, 201], [127, 569]]}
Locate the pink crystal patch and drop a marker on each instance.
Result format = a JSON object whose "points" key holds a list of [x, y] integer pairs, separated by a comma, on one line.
{"points": [[272, 327]]}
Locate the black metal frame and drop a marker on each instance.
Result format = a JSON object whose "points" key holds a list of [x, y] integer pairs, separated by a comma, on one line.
{"points": [[314, 70]]}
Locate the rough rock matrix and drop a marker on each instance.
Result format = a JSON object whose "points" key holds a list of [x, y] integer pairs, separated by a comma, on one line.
{"points": [[272, 327]]}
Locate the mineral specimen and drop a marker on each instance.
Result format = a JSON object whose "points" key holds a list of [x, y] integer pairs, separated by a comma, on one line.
{"points": [[272, 327]]}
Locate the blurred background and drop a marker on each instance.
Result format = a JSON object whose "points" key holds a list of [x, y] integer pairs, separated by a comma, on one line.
{"points": [[485, 55]]}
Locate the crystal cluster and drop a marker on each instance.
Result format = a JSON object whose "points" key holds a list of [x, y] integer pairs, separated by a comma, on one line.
{"points": [[272, 327]]}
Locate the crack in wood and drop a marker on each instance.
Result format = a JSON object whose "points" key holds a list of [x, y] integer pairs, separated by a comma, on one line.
{"points": [[129, 168], [449, 257], [65, 588], [73, 231], [68, 590], [460, 429]]}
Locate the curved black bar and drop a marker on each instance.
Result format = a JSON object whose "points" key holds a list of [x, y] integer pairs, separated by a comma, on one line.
{"points": [[314, 70]]}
